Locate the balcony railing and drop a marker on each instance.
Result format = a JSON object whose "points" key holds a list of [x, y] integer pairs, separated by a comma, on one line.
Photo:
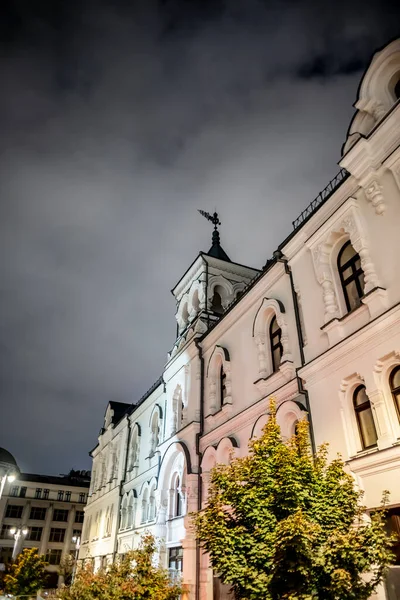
{"points": [[321, 198]]}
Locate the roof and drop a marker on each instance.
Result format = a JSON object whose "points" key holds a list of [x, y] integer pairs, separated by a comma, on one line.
{"points": [[55, 480], [119, 409], [216, 249]]}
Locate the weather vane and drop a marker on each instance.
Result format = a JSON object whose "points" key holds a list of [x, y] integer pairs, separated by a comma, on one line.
{"points": [[213, 218]]}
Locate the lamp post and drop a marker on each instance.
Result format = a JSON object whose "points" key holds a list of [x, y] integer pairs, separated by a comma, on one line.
{"points": [[19, 534], [77, 541], [8, 468]]}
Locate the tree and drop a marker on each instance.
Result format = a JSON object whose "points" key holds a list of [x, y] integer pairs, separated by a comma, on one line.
{"points": [[27, 574], [282, 523], [134, 577]]}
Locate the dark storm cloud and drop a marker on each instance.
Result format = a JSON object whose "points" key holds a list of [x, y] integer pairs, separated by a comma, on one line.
{"points": [[118, 121]]}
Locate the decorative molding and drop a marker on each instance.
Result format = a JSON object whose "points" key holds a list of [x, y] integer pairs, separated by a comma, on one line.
{"points": [[374, 193]]}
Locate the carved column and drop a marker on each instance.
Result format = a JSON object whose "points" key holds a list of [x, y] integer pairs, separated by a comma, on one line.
{"points": [[325, 278], [189, 541], [262, 355], [374, 193], [385, 435]]}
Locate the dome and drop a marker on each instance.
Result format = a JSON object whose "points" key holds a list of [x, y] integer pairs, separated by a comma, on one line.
{"points": [[6, 458]]}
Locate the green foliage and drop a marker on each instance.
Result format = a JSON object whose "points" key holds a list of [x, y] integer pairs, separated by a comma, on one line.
{"points": [[27, 574], [284, 524], [134, 578]]}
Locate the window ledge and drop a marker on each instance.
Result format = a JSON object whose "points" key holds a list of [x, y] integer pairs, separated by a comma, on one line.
{"points": [[219, 416], [274, 381], [339, 328]]}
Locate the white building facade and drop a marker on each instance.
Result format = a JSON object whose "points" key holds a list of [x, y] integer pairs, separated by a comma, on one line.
{"points": [[318, 328]]}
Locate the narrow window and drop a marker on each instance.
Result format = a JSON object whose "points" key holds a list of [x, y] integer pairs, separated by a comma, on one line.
{"points": [[365, 419], [351, 276], [216, 303], [222, 386], [395, 388], [177, 500], [275, 334]]}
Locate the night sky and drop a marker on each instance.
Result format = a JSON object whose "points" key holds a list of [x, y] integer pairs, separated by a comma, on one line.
{"points": [[118, 121]]}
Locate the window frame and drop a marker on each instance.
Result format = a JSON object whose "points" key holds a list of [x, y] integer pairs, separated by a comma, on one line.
{"points": [[359, 409], [395, 391], [17, 508], [275, 345], [355, 275], [58, 511], [43, 510]]}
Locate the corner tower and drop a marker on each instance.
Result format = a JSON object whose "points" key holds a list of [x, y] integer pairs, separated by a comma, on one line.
{"points": [[211, 283]]}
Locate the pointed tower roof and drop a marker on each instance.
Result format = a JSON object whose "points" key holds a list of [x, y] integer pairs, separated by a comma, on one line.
{"points": [[216, 249]]}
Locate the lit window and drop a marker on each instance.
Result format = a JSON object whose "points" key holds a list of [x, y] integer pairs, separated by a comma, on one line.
{"points": [[365, 419], [351, 276]]}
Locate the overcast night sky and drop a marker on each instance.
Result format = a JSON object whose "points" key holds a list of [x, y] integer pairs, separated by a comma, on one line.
{"points": [[118, 120]]}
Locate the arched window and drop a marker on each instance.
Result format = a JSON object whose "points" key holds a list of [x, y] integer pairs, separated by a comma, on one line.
{"points": [[275, 334], [222, 386], [216, 302], [364, 416], [351, 276], [395, 387], [177, 508]]}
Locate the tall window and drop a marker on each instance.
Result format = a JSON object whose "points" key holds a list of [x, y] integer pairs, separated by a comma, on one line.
{"points": [[351, 276], [222, 386], [60, 495], [177, 508], [275, 334], [79, 515], [82, 497], [395, 387], [365, 419], [67, 496], [46, 494], [14, 490], [175, 562], [216, 302], [38, 493]]}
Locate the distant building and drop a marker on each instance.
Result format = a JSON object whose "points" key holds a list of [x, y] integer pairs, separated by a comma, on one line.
{"points": [[52, 508], [318, 328]]}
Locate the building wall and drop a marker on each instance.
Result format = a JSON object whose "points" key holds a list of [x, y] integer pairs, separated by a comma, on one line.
{"points": [[219, 376]]}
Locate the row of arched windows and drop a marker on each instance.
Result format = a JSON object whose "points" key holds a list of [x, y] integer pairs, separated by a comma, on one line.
{"points": [[363, 409]]}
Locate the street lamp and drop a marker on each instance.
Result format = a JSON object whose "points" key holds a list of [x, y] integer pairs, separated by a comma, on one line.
{"points": [[19, 534], [77, 541], [8, 468]]}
